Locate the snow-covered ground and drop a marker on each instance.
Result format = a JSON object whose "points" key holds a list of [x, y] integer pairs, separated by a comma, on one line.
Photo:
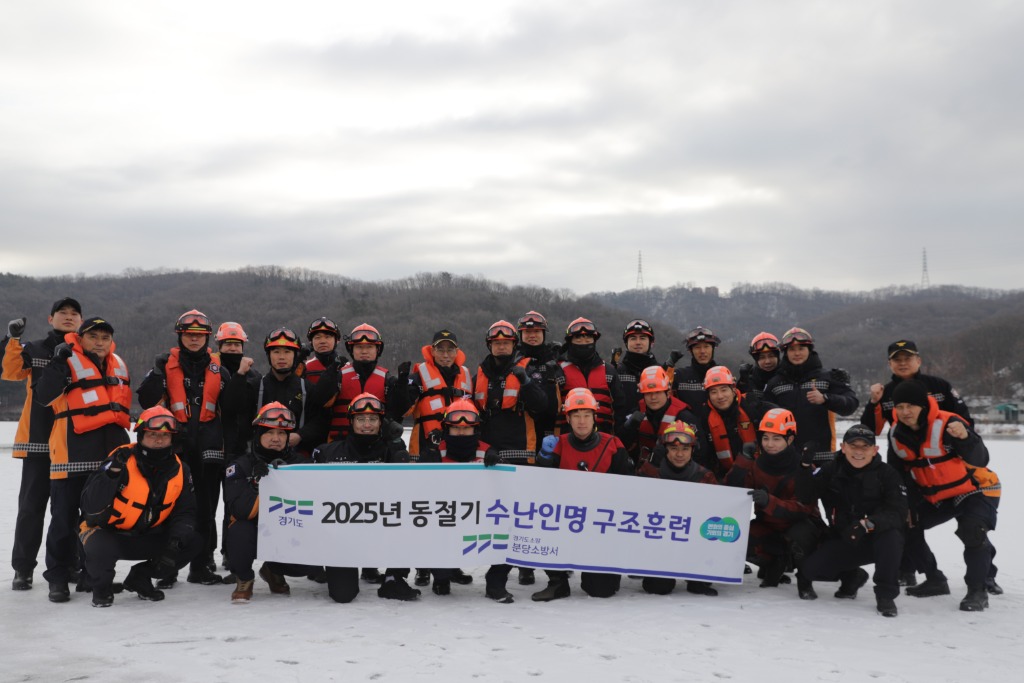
{"points": [[746, 633]]}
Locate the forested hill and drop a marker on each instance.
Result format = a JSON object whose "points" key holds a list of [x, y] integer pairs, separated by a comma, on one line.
{"points": [[973, 337]]}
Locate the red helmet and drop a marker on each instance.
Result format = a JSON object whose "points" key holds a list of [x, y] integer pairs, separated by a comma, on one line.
{"points": [[462, 411], [653, 379], [679, 431], [156, 419], [275, 416], [717, 376], [282, 338], [579, 399], [638, 327], [193, 321], [764, 341], [364, 334], [796, 335], [532, 320], [366, 403], [580, 327], [323, 325], [778, 421], [701, 334], [502, 330], [231, 332]]}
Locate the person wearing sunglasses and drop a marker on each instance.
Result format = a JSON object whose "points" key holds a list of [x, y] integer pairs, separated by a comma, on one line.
{"points": [[323, 335], [270, 449], [187, 380], [583, 368], [23, 361], [140, 505], [813, 394], [89, 389], [441, 378], [688, 381]]}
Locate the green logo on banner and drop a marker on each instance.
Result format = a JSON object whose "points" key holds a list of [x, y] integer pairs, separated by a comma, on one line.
{"points": [[725, 529]]}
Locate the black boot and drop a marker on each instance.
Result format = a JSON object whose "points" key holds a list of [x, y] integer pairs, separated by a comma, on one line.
{"points": [[23, 581], [991, 586], [395, 588], [908, 578], [555, 590], [139, 581], [932, 586], [59, 591], [976, 599], [805, 588], [460, 577], [850, 583], [102, 597], [371, 575], [700, 588], [499, 594], [442, 587], [886, 607], [422, 577], [201, 574], [526, 576]]}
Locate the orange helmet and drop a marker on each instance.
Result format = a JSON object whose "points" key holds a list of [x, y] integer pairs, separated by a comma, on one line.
{"points": [[502, 330], [653, 379], [283, 338], [364, 334], [275, 416], [579, 399], [778, 421], [764, 341], [156, 419], [796, 335], [679, 431], [462, 411], [231, 332], [579, 327], [718, 375], [366, 403], [193, 321]]}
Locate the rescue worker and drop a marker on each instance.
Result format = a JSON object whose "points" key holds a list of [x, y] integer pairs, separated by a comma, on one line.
{"points": [[754, 378], [638, 336], [187, 380], [441, 378], [676, 445], [947, 462], [730, 419], [270, 449], [865, 504], [657, 410], [25, 362], [583, 448], [140, 505], [814, 395], [583, 368], [688, 382], [88, 387], [372, 439], [786, 523], [323, 335]]}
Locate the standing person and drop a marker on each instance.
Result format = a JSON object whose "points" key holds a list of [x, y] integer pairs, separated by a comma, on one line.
{"points": [[88, 387], [639, 340], [866, 507], [731, 419], [657, 410], [140, 505], [786, 523], [688, 382], [677, 444], [814, 395], [189, 382], [230, 355], [583, 448], [583, 368], [270, 449], [323, 335], [905, 364], [25, 362], [372, 439], [754, 378], [441, 378], [947, 462]]}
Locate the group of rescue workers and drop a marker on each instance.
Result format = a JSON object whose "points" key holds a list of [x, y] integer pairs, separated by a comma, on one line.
{"points": [[212, 426]]}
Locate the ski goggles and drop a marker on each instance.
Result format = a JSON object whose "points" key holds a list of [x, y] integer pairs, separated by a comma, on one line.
{"points": [[764, 346], [639, 327], [194, 322], [501, 332], [462, 417], [275, 418], [363, 337], [533, 321], [158, 423], [366, 404], [679, 434], [283, 336], [797, 336], [581, 329], [324, 325]]}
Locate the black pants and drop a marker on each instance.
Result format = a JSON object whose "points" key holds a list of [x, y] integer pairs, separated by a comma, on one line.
{"points": [[975, 515], [206, 479], [62, 535], [343, 582], [214, 475], [103, 548], [594, 584], [835, 556], [240, 542], [660, 585], [32, 498]]}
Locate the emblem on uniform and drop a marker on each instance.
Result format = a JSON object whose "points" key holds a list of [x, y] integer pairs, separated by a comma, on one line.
{"points": [[214, 368], [229, 472], [744, 425]]}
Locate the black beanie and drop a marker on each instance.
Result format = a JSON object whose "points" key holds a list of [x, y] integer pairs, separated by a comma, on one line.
{"points": [[910, 391]]}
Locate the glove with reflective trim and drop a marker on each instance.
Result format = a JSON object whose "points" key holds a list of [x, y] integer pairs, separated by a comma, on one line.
{"points": [[634, 420], [546, 454], [760, 497], [403, 369], [62, 352], [118, 461], [16, 328], [807, 454], [160, 363]]}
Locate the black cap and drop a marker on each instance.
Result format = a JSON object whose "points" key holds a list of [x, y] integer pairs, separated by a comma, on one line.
{"points": [[66, 301], [95, 324], [902, 345], [445, 335], [859, 432], [910, 391]]}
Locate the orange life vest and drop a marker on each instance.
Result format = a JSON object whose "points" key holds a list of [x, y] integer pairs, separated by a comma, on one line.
{"points": [[646, 437], [429, 409], [130, 502], [940, 473], [597, 381], [719, 432], [509, 400], [179, 404], [94, 399], [349, 387]]}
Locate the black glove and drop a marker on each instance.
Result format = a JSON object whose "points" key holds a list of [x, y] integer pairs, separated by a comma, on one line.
{"points": [[807, 454], [519, 373], [403, 369], [165, 565], [760, 497], [395, 430], [16, 328], [839, 375], [491, 458], [855, 533], [160, 363], [118, 462], [749, 450], [746, 369], [634, 420], [434, 437], [549, 370], [62, 352], [304, 352], [674, 357], [277, 462], [260, 469]]}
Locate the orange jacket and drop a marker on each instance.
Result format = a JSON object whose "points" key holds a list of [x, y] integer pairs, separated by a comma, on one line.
{"points": [[179, 404]]}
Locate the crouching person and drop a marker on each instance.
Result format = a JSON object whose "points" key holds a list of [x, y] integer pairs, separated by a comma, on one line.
{"points": [[370, 440], [271, 428], [866, 505], [140, 505]]}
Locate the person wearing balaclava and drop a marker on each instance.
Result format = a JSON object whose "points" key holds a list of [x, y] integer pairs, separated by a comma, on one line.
{"points": [[583, 368], [190, 383], [140, 505]]}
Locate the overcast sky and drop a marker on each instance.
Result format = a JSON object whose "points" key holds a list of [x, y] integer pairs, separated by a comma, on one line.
{"points": [[818, 143]]}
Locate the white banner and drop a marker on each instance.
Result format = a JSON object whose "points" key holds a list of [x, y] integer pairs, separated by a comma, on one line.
{"points": [[448, 515]]}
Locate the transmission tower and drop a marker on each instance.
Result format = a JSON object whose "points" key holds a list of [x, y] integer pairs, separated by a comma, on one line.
{"points": [[640, 270], [924, 269]]}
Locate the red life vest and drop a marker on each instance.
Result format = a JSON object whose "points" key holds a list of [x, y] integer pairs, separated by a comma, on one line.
{"points": [[349, 387], [940, 473], [719, 432], [428, 411], [481, 451], [313, 369], [597, 381], [597, 459], [95, 400], [130, 502], [646, 437], [179, 404]]}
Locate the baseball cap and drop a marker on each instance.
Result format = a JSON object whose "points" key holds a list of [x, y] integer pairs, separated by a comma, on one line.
{"points": [[445, 335], [859, 432], [95, 324], [66, 301], [902, 345]]}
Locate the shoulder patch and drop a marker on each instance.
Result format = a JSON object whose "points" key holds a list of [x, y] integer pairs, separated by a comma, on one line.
{"points": [[230, 471], [214, 368]]}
